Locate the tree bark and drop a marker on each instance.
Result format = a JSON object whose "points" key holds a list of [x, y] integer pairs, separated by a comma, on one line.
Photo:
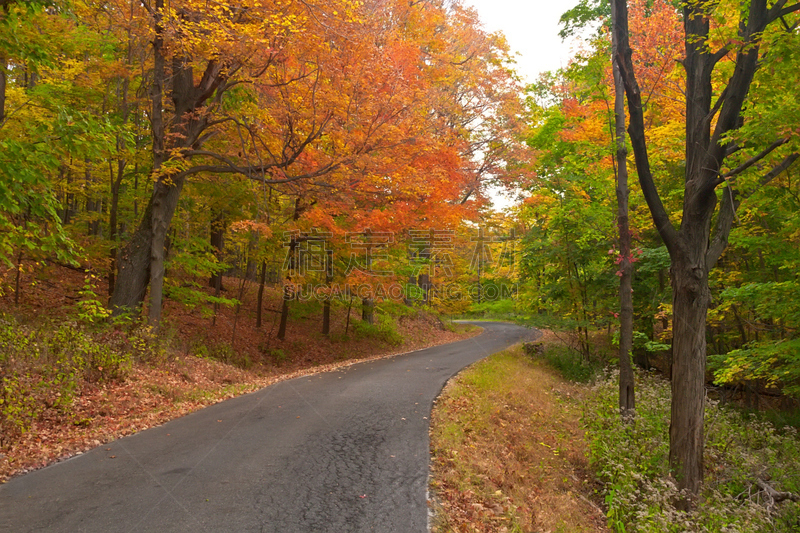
{"points": [[326, 305], [134, 269], [627, 399], [288, 289], [690, 301], [164, 202], [3, 65], [113, 236], [217, 239], [260, 300], [368, 310]]}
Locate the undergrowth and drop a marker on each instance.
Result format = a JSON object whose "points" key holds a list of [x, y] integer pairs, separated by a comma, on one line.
{"points": [[42, 368], [571, 364], [632, 460], [384, 329]]}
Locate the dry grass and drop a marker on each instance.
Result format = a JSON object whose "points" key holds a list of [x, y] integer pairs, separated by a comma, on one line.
{"points": [[508, 452]]}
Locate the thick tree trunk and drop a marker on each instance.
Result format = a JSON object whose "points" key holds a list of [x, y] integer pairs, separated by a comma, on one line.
{"points": [[368, 310], [690, 306], [164, 202], [134, 269]]}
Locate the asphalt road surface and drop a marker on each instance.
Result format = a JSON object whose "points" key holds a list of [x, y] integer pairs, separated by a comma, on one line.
{"points": [[341, 452]]}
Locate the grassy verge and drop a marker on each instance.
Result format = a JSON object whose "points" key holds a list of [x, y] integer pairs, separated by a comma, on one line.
{"points": [[508, 451]]}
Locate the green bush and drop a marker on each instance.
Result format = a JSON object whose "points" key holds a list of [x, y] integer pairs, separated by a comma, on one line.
{"points": [[384, 330], [571, 364], [632, 462], [45, 368], [225, 353]]}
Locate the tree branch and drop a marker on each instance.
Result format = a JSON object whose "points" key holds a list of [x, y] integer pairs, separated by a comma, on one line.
{"points": [[731, 201], [778, 10], [636, 130], [753, 160], [778, 169]]}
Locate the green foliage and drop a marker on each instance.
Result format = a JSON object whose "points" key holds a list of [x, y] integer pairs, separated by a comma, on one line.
{"points": [[632, 461], [44, 369], [90, 309], [775, 362], [384, 330], [571, 364], [278, 355], [492, 309], [225, 353], [586, 13]]}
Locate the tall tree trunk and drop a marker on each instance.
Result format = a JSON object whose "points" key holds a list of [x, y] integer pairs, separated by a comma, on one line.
{"points": [[112, 224], [326, 305], [288, 289], [3, 66], [260, 300], [690, 306], [142, 261], [164, 202], [349, 307], [217, 239], [627, 398]]}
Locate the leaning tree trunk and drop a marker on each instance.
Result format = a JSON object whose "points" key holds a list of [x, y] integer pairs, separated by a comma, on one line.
{"points": [[133, 274]]}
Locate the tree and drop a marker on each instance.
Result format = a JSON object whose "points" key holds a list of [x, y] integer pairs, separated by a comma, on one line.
{"points": [[710, 142], [627, 397]]}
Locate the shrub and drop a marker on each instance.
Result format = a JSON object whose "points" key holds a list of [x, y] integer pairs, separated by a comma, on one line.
{"points": [[632, 461], [45, 368], [571, 364], [384, 330]]}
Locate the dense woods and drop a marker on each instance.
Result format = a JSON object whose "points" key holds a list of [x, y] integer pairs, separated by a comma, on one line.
{"points": [[343, 152]]}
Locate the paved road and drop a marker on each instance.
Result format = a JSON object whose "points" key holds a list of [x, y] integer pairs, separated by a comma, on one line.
{"points": [[340, 452]]}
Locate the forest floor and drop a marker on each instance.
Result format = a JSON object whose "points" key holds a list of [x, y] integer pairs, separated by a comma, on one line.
{"points": [[204, 360], [509, 451]]}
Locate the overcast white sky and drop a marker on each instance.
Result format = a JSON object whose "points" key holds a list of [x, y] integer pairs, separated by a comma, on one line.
{"points": [[531, 27]]}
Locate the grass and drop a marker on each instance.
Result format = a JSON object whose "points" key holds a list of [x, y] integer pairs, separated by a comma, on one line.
{"points": [[508, 451]]}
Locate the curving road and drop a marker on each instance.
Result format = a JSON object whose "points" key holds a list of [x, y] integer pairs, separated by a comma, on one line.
{"points": [[343, 451]]}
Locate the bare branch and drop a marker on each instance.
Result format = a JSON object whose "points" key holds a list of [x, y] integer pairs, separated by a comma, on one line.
{"points": [[753, 160], [778, 10], [778, 169]]}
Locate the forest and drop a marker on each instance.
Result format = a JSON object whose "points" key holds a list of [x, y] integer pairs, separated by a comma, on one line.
{"points": [[249, 164]]}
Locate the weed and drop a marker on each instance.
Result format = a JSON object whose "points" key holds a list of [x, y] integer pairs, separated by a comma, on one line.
{"points": [[571, 364], [632, 460], [384, 330]]}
